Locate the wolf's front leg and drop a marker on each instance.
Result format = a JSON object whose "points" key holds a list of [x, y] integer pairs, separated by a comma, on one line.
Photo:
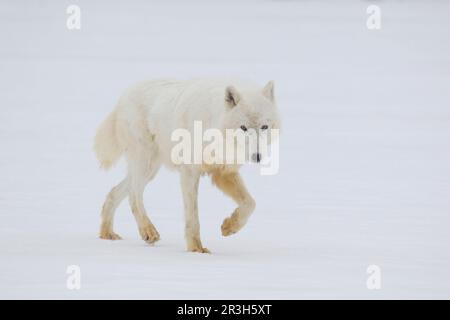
{"points": [[232, 185], [189, 188]]}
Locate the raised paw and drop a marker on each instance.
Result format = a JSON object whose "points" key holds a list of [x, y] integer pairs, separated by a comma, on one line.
{"points": [[149, 234], [230, 226]]}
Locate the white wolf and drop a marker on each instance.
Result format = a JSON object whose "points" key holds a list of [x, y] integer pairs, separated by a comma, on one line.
{"points": [[140, 128]]}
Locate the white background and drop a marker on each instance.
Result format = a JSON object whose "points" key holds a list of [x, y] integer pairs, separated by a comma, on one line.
{"points": [[365, 151]]}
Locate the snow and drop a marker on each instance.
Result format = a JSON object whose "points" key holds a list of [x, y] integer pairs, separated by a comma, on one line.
{"points": [[364, 166]]}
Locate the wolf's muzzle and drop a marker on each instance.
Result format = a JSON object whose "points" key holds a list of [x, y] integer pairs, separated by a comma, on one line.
{"points": [[256, 157]]}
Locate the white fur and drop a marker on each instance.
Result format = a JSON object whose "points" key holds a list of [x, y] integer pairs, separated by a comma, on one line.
{"points": [[141, 126]]}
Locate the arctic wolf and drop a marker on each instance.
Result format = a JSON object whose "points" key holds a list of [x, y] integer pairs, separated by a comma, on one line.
{"points": [[141, 127]]}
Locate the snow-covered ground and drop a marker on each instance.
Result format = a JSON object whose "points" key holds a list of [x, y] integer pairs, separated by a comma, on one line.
{"points": [[365, 151]]}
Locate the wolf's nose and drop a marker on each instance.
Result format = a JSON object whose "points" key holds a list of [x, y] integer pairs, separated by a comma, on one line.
{"points": [[256, 157]]}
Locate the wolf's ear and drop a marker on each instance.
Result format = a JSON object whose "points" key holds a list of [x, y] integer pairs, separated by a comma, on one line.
{"points": [[232, 96], [268, 91]]}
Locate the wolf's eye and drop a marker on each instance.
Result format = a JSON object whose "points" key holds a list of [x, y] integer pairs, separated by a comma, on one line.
{"points": [[265, 127], [244, 128]]}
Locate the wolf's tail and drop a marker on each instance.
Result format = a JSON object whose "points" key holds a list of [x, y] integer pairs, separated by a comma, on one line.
{"points": [[106, 146]]}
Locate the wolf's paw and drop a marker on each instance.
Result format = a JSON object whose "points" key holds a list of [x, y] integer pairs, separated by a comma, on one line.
{"points": [[109, 235], [230, 226], [194, 244], [200, 250], [149, 234]]}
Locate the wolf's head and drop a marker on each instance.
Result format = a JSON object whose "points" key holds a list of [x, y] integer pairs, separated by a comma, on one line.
{"points": [[254, 113]]}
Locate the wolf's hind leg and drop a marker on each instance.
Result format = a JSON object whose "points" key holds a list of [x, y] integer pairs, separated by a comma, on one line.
{"points": [[142, 170], [114, 198], [232, 185]]}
